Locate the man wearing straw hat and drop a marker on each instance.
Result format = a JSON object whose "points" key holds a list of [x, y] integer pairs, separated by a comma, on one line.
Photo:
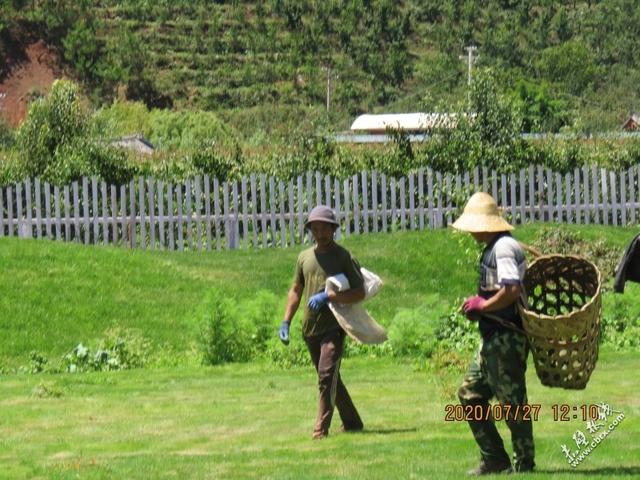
{"points": [[500, 364], [321, 331]]}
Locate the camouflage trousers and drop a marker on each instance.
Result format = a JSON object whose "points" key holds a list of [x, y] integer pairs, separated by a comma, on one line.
{"points": [[499, 370]]}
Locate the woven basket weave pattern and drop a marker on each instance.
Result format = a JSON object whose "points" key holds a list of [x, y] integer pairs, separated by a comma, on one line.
{"points": [[562, 320]]}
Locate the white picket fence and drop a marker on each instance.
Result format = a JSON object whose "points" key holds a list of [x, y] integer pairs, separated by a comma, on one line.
{"points": [[257, 211]]}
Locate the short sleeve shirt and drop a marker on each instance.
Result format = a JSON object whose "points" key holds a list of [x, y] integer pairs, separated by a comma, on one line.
{"points": [[503, 263], [312, 270]]}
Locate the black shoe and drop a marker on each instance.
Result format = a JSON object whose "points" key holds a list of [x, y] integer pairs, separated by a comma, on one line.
{"points": [[524, 467], [487, 467], [352, 428]]}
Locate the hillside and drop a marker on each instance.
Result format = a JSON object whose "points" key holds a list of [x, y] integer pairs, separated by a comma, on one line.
{"points": [[268, 65]]}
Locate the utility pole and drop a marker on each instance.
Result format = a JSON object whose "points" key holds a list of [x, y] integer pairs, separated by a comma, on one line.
{"points": [[471, 58], [329, 77]]}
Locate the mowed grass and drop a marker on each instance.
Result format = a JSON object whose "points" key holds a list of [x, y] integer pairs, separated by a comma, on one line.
{"points": [[255, 421], [56, 295]]}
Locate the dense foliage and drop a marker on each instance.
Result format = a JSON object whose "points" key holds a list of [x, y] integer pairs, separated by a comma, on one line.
{"points": [[248, 84], [61, 141], [565, 63]]}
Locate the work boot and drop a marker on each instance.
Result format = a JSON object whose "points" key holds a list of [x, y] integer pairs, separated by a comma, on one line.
{"points": [[487, 467], [524, 466], [352, 428]]}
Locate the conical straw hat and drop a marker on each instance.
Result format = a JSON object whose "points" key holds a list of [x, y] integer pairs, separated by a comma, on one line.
{"points": [[481, 214]]}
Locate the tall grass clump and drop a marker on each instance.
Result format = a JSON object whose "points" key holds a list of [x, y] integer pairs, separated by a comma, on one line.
{"points": [[232, 330]]}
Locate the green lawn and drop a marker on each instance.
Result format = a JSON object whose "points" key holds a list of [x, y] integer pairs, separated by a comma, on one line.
{"points": [[254, 421], [56, 295]]}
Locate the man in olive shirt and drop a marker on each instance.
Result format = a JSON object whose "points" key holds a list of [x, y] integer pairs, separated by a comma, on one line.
{"points": [[322, 334]]}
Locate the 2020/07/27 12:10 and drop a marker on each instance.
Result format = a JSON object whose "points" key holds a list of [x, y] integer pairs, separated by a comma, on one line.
{"points": [[565, 413]]}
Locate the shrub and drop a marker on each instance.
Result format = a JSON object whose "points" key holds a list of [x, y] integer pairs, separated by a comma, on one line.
{"points": [[286, 356], [12, 168], [37, 362], [208, 161], [621, 320], [261, 312], [51, 123], [455, 332], [225, 336], [413, 332]]}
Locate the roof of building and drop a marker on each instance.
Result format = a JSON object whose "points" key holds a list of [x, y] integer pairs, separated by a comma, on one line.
{"points": [[632, 122], [137, 142], [413, 122]]}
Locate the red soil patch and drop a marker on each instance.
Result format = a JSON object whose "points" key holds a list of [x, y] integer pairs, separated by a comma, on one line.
{"points": [[34, 74]]}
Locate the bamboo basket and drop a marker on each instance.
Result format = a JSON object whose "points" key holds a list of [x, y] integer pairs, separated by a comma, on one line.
{"points": [[561, 317]]}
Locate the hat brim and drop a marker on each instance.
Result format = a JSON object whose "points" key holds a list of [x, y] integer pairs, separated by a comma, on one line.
{"points": [[323, 220], [477, 223]]}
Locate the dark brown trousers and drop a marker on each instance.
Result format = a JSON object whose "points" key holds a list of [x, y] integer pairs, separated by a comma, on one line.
{"points": [[326, 353]]}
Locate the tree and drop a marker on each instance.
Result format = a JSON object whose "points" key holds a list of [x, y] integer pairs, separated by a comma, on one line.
{"points": [[541, 112], [571, 64], [82, 50], [129, 64], [52, 122]]}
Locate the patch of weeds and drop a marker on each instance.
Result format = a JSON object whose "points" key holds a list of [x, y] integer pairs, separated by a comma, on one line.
{"points": [[287, 356], [433, 325], [46, 390], [37, 362], [121, 350], [450, 360], [566, 242], [237, 330], [167, 355]]}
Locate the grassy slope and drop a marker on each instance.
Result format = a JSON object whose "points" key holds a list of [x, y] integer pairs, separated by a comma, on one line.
{"points": [[56, 295], [254, 421]]}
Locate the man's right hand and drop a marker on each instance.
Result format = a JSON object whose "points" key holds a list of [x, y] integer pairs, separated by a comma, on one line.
{"points": [[283, 333]]}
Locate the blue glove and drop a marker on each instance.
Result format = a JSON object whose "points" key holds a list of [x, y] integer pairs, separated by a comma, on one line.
{"points": [[283, 333], [317, 301]]}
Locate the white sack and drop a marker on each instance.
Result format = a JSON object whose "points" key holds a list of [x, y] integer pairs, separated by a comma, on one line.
{"points": [[353, 318]]}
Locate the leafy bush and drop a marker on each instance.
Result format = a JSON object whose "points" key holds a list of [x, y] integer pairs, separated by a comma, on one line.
{"points": [[455, 333], [119, 119], [432, 330], [224, 335], [207, 161], [621, 319], [413, 332], [285, 356], [261, 312], [12, 167], [51, 123], [38, 362]]}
